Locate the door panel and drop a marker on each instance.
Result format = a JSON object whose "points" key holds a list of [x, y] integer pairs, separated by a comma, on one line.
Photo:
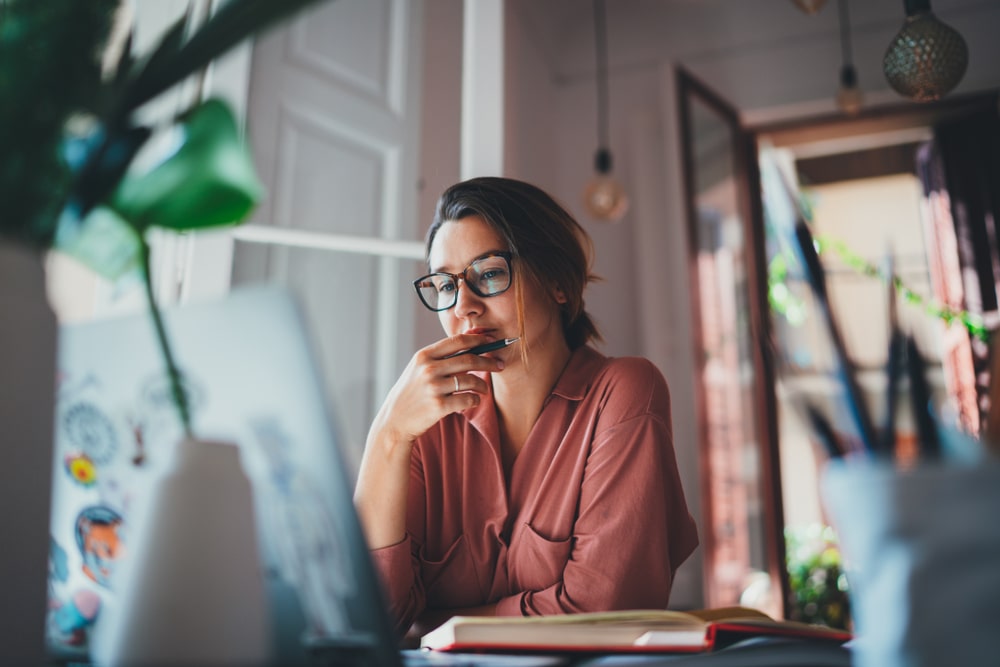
{"points": [[333, 118]]}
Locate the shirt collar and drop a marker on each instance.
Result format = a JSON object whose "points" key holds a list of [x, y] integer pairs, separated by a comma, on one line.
{"points": [[573, 384], [579, 374]]}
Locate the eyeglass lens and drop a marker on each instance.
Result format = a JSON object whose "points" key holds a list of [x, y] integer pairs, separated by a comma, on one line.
{"points": [[487, 276]]}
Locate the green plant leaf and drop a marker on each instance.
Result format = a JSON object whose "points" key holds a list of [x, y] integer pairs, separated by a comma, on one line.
{"points": [[103, 242], [234, 22], [208, 181], [125, 61], [170, 43]]}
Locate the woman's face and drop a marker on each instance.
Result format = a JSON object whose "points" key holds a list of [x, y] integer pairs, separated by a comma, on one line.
{"points": [[456, 245]]}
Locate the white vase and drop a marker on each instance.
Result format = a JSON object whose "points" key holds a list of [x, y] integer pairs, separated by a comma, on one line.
{"points": [[192, 591], [28, 333]]}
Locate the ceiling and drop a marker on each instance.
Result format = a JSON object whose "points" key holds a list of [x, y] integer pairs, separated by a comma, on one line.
{"points": [[742, 48]]}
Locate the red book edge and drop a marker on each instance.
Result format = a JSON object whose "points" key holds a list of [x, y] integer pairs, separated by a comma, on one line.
{"points": [[717, 630]]}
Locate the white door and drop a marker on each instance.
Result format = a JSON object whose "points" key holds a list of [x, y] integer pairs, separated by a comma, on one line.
{"points": [[333, 118]]}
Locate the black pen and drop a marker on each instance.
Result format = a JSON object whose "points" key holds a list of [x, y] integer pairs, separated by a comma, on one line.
{"points": [[928, 441], [893, 365], [824, 431], [817, 280], [485, 347]]}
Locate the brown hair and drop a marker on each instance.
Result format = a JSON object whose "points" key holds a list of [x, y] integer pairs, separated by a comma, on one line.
{"points": [[547, 245]]}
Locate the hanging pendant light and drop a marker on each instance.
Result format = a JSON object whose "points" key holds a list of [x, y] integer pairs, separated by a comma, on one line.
{"points": [[849, 98], [927, 58], [603, 196], [810, 6]]}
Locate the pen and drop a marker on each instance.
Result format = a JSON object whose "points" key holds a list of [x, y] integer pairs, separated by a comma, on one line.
{"points": [[794, 232], [897, 342], [824, 431], [928, 442], [485, 347], [814, 275]]}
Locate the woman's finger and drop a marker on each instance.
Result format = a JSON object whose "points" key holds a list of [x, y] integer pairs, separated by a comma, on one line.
{"points": [[465, 382]]}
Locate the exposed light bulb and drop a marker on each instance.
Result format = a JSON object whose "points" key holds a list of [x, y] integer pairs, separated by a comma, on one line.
{"points": [[927, 58], [603, 196], [810, 6], [849, 96], [850, 100]]}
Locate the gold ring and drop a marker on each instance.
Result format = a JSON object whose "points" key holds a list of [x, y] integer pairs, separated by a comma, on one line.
{"points": [[456, 383]]}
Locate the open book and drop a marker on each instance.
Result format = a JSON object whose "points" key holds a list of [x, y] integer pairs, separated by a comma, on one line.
{"points": [[644, 630]]}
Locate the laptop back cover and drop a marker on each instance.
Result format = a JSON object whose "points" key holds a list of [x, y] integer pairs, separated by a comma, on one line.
{"points": [[251, 378]]}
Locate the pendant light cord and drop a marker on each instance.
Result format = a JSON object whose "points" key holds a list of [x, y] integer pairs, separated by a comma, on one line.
{"points": [[845, 33], [601, 49], [912, 7]]}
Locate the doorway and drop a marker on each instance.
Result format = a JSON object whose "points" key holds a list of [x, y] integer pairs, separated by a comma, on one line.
{"points": [[859, 177], [865, 205], [865, 189]]}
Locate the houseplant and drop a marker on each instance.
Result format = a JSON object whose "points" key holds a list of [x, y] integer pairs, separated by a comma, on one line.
{"points": [[69, 136], [819, 592]]}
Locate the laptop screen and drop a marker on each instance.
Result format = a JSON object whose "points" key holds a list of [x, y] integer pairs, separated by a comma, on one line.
{"points": [[251, 380]]}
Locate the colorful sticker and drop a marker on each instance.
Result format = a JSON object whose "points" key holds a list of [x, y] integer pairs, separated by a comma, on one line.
{"points": [[98, 536], [81, 469], [70, 618], [90, 431], [137, 429]]}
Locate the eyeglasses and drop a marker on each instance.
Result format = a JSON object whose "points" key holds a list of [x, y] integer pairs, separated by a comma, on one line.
{"points": [[487, 276]]}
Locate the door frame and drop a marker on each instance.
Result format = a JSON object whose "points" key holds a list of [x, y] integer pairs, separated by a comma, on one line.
{"points": [[764, 401]]}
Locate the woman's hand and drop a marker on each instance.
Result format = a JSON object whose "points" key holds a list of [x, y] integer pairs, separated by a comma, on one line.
{"points": [[432, 386]]}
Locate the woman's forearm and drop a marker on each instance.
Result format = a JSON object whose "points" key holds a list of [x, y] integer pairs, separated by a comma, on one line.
{"points": [[380, 494]]}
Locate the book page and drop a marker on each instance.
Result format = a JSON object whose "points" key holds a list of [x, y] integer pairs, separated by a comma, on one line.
{"points": [[728, 613], [657, 617]]}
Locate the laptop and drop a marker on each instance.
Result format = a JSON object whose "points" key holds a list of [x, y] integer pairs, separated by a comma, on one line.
{"points": [[252, 380]]}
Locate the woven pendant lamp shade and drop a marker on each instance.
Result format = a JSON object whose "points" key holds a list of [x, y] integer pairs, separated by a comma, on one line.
{"points": [[927, 58]]}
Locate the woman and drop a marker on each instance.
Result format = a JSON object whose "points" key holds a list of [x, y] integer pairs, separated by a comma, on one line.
{"points": [[539, 478]]}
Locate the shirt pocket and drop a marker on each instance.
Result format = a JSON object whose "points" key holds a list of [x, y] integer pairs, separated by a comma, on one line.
{"points": [[537, 562], [452, 579]]}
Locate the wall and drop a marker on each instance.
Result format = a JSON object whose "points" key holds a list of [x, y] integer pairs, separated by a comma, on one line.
{"points": [[642, 304], [530, 152], [441, 109]]}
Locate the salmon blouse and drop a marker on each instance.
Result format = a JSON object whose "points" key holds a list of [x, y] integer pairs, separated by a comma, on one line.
{"points": [[593, 517]]}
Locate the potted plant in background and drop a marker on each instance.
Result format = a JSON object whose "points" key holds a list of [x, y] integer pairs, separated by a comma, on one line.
{"points": [[819, 590], [70, 180]]}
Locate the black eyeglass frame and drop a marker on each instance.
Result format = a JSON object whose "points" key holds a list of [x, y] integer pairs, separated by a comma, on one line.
{"points": [[470, 284]]}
